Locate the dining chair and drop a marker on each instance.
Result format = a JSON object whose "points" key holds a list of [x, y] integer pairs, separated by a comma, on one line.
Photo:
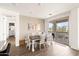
{"points": [[42, 40], [49, 38], [27, 41]]}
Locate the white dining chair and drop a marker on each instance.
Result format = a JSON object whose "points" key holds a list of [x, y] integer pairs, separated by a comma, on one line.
{"points": [[27, 41], [42, 40], [49, 38]]}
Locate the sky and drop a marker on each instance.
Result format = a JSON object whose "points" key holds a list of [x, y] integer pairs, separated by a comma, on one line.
{"points": [[62, 24], [59, 24]]}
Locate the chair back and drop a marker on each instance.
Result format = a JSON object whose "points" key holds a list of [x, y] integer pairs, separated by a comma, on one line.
{"points": [[27, 38], [49, 37], [43, 38]]}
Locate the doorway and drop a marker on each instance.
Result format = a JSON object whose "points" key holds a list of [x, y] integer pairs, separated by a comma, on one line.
{"points": [[11, 33], [11, 29]]}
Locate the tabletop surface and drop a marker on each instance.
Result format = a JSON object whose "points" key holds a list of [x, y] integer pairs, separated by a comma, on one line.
{"points": [[34, 37]]}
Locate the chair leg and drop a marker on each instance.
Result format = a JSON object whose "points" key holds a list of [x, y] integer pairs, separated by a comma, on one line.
{"points": [[29, 46], [26, 46], [51, 42], [35, 45], [40, 46], [44, 45]]}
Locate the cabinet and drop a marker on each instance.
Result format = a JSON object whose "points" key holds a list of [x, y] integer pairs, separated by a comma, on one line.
{"points": [[22, 43]]}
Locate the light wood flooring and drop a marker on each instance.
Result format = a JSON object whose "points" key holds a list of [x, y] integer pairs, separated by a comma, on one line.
{"points": [[56, 49]]}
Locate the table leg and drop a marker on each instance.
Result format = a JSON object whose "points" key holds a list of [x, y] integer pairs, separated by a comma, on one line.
{"points": [[33, 46]]}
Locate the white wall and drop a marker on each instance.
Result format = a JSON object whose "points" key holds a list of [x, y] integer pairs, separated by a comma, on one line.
{"points": [[17, 30], [24, 21], [3, 27], [78, 28], [73, 29]]}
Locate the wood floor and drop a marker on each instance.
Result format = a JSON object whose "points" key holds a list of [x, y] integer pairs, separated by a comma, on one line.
{"points": [[55, 49]]}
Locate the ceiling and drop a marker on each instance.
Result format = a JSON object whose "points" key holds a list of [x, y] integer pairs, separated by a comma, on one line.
{"points": [[39, 10]]}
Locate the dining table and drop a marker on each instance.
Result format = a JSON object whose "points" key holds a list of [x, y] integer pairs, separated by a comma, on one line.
{"points": [[33, 39]]}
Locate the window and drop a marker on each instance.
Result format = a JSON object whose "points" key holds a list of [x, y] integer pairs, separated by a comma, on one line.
{"points": [[62, 27], [50, 29]]}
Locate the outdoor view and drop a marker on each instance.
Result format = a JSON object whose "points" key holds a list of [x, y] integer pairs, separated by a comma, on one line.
{"points": [[50, 27], [62, 27]]}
